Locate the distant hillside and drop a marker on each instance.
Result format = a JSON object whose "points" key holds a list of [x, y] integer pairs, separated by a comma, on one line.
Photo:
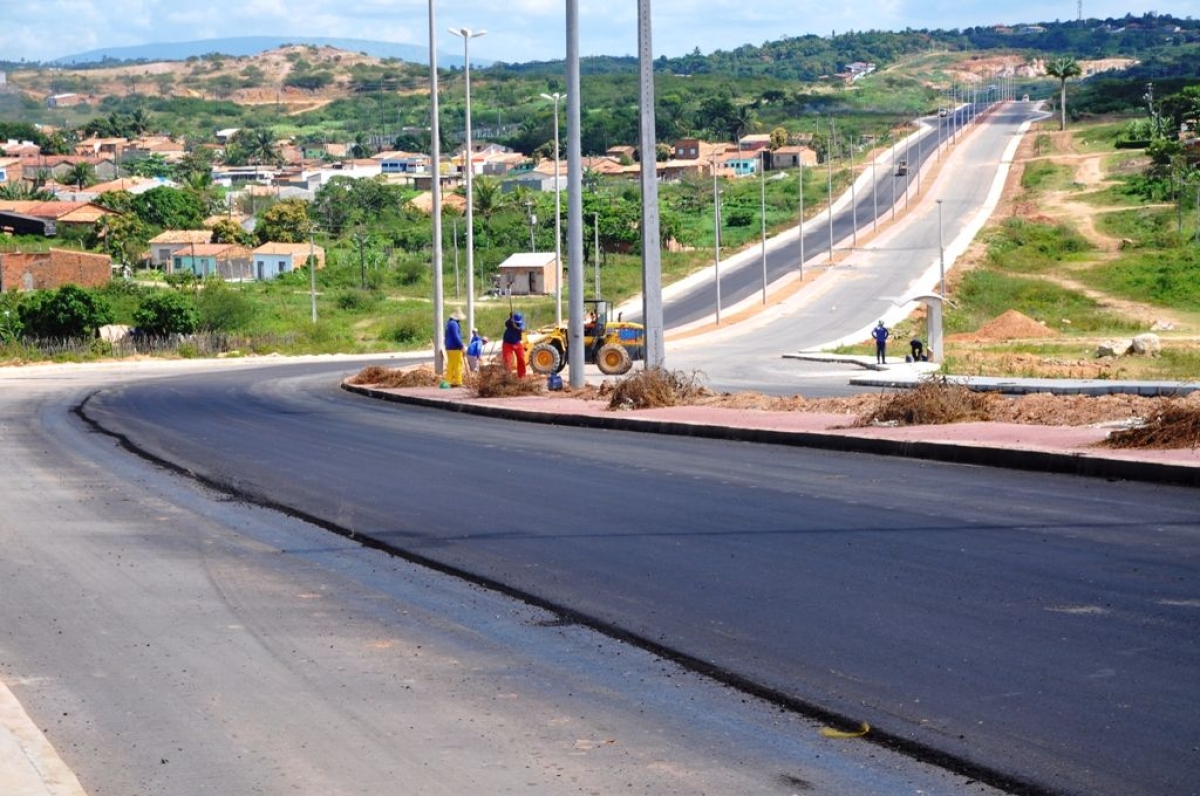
{"points": [[253, 45]]}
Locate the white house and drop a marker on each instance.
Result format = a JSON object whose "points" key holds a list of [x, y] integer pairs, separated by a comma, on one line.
{"points": [[273, 259]]}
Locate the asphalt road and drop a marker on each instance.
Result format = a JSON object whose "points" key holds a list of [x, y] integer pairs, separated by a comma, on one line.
{"points": [[1041, 628], [169, 640], [869, 205], [1040, 632], [871, 282]]}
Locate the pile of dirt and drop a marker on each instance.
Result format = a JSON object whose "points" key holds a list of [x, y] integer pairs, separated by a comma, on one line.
{"points": [[1012, 325]]}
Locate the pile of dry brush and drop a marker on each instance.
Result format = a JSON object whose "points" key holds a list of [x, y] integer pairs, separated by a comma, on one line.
{"points": [[1175, 425], [932, 402], [495, 381], [656, 387]]}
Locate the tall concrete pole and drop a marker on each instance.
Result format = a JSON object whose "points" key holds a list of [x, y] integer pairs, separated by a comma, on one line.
{"points": [[829, 169], [652, 311], [469, 163], [575, 355], [435, 192], [800, 231], [557, 217]]}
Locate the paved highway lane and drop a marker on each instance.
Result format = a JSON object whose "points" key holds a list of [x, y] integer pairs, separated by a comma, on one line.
{"points": [[170, 641], [843, 303], [1043, 627], [878, 191]]}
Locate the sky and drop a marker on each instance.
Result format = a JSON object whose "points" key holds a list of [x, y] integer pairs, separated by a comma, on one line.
{"points": [[517, 30]]}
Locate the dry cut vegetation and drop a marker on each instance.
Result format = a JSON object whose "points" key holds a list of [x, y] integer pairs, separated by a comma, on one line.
{"points": [[1175, 425], [932, 402], [495, 381], [656, 387], [1152, 422], [395, 378]]}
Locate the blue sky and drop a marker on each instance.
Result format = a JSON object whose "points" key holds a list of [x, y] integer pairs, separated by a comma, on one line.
{"points": [[517, 30]]}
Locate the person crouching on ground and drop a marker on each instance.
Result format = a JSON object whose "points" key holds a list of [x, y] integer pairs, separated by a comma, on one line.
{"points": [[454, 350], [880, 335], [513, 347], [475, 350]]}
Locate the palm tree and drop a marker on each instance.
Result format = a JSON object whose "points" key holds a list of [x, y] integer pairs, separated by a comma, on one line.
{"points": [[1064, 68], [489, 199], [81, 174]]}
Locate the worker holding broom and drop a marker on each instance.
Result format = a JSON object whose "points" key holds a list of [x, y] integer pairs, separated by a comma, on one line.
{"points": [[454, 350], [513, 346]]}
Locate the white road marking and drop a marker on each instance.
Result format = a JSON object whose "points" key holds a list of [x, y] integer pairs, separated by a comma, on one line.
{"points": [[29, 765]]}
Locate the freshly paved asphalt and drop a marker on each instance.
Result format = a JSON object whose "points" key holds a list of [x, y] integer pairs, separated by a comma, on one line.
{"points": [[997, 617]]}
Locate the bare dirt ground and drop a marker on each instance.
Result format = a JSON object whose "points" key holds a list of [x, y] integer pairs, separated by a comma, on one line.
{"points": [[192, 78], [979, 352]]}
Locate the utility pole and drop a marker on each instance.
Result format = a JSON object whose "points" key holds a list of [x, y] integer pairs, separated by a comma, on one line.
{"points": [[360, 238], [435, 192]]}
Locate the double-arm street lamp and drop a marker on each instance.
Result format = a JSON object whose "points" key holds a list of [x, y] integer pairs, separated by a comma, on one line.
{"points": [[557, 216], [469, 164]]}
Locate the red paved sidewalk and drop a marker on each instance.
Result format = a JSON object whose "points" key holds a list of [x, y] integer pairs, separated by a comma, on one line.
{"points": [[1066, 449]]}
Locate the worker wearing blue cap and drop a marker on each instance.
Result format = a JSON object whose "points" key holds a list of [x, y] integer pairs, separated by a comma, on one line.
{"points": [[454, 350], [513, 346]]}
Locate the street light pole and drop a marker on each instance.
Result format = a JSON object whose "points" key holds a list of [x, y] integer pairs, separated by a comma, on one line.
{"points": [[435, 192], [596, 251], [762, 203], [532, 224], [853, 200], [801, 230], [829, 169], [717, 238], [557, 216], [312, 271], [469, 161], [874, 191], [941, 253]]}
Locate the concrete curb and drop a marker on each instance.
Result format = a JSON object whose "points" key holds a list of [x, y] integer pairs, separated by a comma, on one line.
{"points": [[1066, 463]]}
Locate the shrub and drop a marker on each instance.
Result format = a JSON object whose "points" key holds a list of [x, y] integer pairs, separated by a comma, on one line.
{"points": [[167, 313], [404, 332], [355, 300], [221, 308], [70, 311]]}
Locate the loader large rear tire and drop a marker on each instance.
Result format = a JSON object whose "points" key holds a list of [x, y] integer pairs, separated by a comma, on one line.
{"points": [[613, 360], [545, 359]]}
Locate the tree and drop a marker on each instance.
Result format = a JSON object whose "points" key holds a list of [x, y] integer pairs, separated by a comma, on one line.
{"points": [[81, 174], [169, 208], [285, 222], [69, 312], [117, 201], [166, 313], [153, 165], [1064, 68], [226, 230], [19, 191], [259, 146], [123, 237]]}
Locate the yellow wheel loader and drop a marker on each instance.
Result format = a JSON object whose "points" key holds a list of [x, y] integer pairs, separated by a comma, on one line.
{"points": [[613, 346]]}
